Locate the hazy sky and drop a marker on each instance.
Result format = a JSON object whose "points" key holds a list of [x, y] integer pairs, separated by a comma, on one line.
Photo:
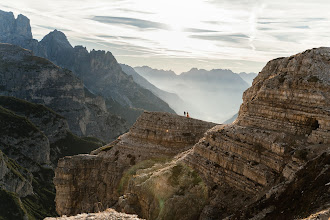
{"points": [[241, 35]]}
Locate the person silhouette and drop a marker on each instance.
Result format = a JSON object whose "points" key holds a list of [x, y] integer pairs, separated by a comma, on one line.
{"points": [[188, 115], [184, 113]]}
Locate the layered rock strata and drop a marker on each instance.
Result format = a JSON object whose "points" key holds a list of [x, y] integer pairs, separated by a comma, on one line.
{"points": [[84, 183], [249, 167], [283, 121]]}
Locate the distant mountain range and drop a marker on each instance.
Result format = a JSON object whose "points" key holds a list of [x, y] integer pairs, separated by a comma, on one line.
{"points": [[173, 99], [213, 95], [248, 77], [98, 70]]}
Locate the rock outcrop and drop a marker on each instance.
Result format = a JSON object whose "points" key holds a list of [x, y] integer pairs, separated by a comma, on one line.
{"points": [[97, 177], [109, 214], [36, 79], [283, 121], [272, 161]]}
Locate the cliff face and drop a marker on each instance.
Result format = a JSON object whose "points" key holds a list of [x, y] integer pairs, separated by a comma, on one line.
{"points": [[102, 74], [97, 178], [283, 121], [38, 80], [33, 138], [243, 170], [18, 32]]}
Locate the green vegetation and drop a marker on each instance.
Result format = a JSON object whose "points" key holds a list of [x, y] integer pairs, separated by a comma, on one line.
{"points": [[41, 204], [176, 172], [72, 145], [14, 125], [93, 139], [301, 154], [25, 107], [313, 79], [11, 207], [130, 172]]}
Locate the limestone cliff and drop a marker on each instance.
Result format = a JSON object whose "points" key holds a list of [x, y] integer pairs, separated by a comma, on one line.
{"points": [[283, 122], [272, 161], [86, 183], [36, 79]]}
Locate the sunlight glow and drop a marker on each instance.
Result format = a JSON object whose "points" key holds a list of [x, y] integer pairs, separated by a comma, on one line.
{"points": [[248, 32]]}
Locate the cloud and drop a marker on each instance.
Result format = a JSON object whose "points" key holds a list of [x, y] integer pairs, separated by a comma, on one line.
{"points": [[196, 30], [235, 38], [139, 23], [53, 28], [252, 32]]}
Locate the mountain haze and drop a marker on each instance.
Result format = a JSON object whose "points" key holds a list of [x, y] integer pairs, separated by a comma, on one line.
{"points": [[213, 95], [173, 99]]}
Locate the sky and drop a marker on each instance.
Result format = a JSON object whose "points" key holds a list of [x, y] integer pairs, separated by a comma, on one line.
{"points": [[241, 35]]}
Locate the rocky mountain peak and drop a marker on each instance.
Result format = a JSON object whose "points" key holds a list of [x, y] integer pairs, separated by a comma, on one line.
{"points": [[19, 29], [56, 37]]}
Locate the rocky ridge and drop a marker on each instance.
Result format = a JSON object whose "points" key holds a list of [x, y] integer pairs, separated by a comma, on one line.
{"points": [[154, 138], [283, 121], [258, 167]]}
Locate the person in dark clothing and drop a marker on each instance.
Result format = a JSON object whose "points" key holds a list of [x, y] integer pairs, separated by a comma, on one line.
{"points": [[184, 113]]}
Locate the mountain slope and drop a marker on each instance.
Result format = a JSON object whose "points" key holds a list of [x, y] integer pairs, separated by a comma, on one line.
{"points": [[38, 80], [98, 70], [33, 138]]}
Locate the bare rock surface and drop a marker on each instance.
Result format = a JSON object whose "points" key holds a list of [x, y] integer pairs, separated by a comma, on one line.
{"points": [[272, 162], [108, 214], [97, 178], [283, 122]]}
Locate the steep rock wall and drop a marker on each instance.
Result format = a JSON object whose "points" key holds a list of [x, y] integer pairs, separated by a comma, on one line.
{"points": [[283, 122]]}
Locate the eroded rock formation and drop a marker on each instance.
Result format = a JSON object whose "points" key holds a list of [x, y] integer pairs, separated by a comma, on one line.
{"points": [[279, 142], [283, 121], [86, 183]]}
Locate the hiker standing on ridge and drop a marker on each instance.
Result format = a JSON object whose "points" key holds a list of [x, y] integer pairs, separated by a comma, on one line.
{"points": [[188, 115], [184, 113]]}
